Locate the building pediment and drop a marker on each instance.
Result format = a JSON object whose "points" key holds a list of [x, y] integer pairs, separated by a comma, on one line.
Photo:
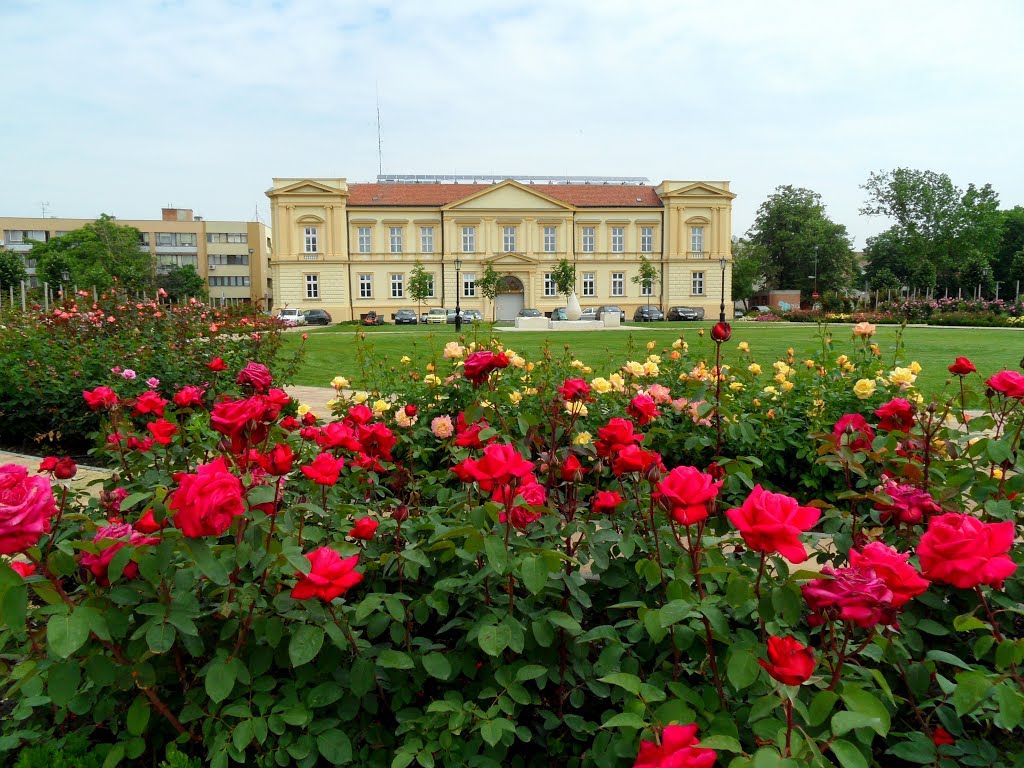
{"points": [[309, 187], [509, 195], [699, 189], [511, 260]]}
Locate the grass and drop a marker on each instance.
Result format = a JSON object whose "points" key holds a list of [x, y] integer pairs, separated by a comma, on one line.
{"points": [[334, 351]]}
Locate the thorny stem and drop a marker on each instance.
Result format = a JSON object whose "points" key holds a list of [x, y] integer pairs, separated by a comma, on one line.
{"points": [[718, 396], [789, 727]]}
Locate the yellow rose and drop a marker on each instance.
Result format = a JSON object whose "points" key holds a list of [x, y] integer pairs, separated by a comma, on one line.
{"points": [[841, 360], [997, 473], [588, 370], [650, 345], [517, 361], [339, 382], [651, 369], [743, 346], [787, 385], [485, 404], [864, 388], [303, 409], [653, 359], [634, 368], [601, 385], [530, 391], [405, 360], [904, 377], [583, 438], [380, 406], [754, 368], [515, 397], [678, 344], [576, 407], [360, 397], [915, 367], [808, 363], [576, 363], [530, 367], [736, 386], [432, 379], [618, 383], [780, 378]]}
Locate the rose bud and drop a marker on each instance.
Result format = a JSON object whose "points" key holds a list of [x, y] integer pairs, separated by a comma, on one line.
{"points": [[721, 332], [400, 514], [65, 469], [410, 410]]}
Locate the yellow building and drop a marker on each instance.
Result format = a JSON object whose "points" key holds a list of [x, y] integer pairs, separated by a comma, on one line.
{"points": [[233, 257], [351, 248]]}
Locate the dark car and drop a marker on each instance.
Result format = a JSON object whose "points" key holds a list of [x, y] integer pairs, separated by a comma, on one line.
{"points": [[372, 318], [406, 317], [559, 314], [685, 313], [451, 316], [317, 317], [647, 314], [527, 312], [611, 308]]}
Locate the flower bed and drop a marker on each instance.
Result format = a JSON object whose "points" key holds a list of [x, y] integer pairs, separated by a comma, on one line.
{"points": [[501, 562]]}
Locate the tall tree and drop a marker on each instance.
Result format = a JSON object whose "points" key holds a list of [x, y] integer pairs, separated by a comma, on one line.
{"points": [[1011, 245], [957, 231], [421, 285], [99, 254], [647, 275], [747, 270], [799, 245], [488, 286], [564, 275], [12, 269]]}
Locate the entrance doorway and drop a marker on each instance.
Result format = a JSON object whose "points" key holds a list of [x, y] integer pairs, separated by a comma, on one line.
{"points": [[510, 298]]}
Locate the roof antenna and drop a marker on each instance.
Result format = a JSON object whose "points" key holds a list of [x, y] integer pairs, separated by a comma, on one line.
{"points": [[380, 154], [46, 207]]}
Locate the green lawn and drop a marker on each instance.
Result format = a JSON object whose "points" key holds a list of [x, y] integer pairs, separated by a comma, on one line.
{"points": [[334, 351]]}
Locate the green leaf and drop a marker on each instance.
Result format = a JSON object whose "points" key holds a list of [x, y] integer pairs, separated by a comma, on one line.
{"points": [[565, 621], [325, 694], [967, 622], [534, 572], [208, 565], [624, 680], [917, 749], [13, 598], [625, 720], [971, 689], [1011, 709], [497, 557], [392, 659], [437, 665], [305, 644], [673, 612], [742, 668], [335, 746], [114, 756], [821, 707], [62, 682], [847, 754], [947, 658], [861, 701], [160, 637], [132, 499], [138, 716], [67, 632], [530, 672], [843, 722], [494, 638], [242, 735], [220, 679], [722, 742]]}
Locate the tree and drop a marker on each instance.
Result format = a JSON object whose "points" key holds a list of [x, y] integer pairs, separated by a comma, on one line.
{"points": [[645, 277], [799, 245], [421, 285], [564, 276], [1011, 243], [957, 231], [747, 269], [488, 286], [99, 254], [182, 282], [12, 269]]}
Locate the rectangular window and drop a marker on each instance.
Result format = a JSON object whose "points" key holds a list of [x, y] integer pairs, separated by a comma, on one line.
{"points": [[697, 240], [549, 284], [508, 235], [313, 286], [468, 239], [396, 239], [618, 239], [647, 288], [469, 284], [166, 238], [228, 260], [311, 242], [227, 237], [550, 239], [364, 239], [618, 283], [430, 285], [427, 239], [397, 286], [697, 283], [144, 238], [588, 239], [366, 286], [646, 239], [589, 284]]}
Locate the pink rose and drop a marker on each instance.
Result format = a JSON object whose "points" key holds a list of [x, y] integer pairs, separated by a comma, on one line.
{"points": [[26, 505]]}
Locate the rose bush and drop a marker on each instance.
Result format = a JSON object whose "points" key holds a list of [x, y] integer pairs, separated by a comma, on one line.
{"points": [[502, 577]]}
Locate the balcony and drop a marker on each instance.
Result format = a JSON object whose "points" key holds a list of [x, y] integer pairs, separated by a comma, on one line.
{"points": [[311, 257], [698, 255]]}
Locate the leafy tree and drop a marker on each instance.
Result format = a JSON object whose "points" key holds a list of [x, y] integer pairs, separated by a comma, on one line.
{"points": [[957, 231], [564, 275], [488, 286], [645, 277], [748, 272], [799, 245], [182, 282], [12, 269], [885, 280], [1011, 243], [99, 254], [421, 285]]}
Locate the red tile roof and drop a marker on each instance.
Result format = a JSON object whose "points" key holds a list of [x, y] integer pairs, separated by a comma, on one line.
{"points": [[580, 195]]}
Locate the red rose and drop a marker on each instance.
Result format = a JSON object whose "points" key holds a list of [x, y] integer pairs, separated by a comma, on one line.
{"points": [[852, 594], [614, 436], [358, 414], [22, 569], [325, 469], [533, 494], [329, 575], [162, 431], [148, 524], [65, 468], [110, 501], [772, 522], [217, 364], [633, 458], [892, 567], [572, 470], [909, 504], [965, 552], [942, 737], [100, 563], [364, 528], [678, 749], [962, 367], [289, 423], [721, 332], [207, 502], [48, 464], [479, 365], [643, 409], [101, 397], [685, 493], [278, 460], [896, 415], [244, 421], [149, 402], [789, 661], [605, 502], [377, 440], [276, 399], [1010, 383], [575, 390], [853, 430], [410, 410], [500, 465], [26, 505], [309, 418], [338, 434], [256, 375], [189, 397], [468, 435]]}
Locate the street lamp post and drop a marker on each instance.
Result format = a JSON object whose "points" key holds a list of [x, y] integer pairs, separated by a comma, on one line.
{"points": [[721, 309], [458, 309]]}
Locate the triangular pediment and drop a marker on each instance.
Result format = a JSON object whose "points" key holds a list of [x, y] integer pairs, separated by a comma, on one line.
{"points": [[510, 260], [698, 189], [509, 195], [307, 187]]}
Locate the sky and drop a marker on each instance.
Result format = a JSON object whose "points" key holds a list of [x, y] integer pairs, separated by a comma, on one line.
{"points": [[127, 106]]}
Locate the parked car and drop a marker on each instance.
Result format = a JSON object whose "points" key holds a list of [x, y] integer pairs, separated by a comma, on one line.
{"points": [[648, 314], [406, 317], [685, 313], [527, 312], [761, 309], [472, 316], [588, 313], [611, 308], [559, 314], [372, 318], [292, 316], [738, 314], [317, 317], [437, 316]]}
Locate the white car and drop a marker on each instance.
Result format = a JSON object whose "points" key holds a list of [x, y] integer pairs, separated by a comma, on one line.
{"points": [[437, 315], [292, 316]]}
